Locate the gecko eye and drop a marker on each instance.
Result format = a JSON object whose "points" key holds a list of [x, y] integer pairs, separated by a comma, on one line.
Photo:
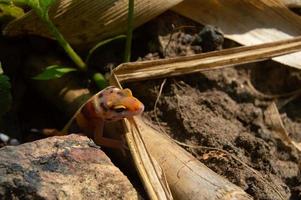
{"points": [[119, 109]]}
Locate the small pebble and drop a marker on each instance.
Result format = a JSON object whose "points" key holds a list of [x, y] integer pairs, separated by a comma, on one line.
{"points": [[210, 38], [196, 49], [4, 138], [186, 39], [14, 142]]}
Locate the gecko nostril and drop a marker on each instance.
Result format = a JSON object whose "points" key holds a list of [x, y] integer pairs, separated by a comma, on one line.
{"points": [[140, 108]]}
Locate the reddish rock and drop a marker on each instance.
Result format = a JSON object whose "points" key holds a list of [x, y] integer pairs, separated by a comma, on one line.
{"points": [[66, 167]]}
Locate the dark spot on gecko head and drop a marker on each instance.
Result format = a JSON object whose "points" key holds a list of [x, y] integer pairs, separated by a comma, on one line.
{"points": [[100, 95], [104, 107], [85, 111], [120, 93]]}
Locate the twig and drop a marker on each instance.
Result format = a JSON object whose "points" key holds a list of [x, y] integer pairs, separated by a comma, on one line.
{"points": [[271, 96], [159, 94]]}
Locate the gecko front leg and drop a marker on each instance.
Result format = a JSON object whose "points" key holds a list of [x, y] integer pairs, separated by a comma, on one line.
{"points": [[99, 139]]}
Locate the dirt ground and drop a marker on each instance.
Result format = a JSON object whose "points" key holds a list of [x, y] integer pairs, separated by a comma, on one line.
{"points": [[218, 109], [226, 113], [223, 112]]}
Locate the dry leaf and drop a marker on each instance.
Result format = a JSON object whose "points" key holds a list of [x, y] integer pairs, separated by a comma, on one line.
{"points": [[150, 172], [292, 3], [187, 177], [84, 23], [136, 71], [248, 22]]}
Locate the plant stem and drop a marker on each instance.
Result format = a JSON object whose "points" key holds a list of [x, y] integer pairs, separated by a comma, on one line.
{"points": [[61, 40], [99, 80], [128, 46]]}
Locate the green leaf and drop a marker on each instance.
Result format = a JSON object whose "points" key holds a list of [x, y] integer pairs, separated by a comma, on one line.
{"points": [[5, 94], [9, 12], [8, 2], [54, 72], [40, 6], [37, 4]]}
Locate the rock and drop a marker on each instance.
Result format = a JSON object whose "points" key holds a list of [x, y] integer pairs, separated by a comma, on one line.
{"points": [[66, 167]]}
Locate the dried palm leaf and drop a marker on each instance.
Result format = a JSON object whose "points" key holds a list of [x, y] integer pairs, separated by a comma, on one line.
{"points": [[292, 3], [88, 22], [149, 170], [190, 64], [248, 22], [187, 177]]}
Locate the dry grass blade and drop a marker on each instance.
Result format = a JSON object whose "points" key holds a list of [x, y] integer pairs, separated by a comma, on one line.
{"points": [[156, 176], [149, 170], [273, 119], [248, 22], [212, 60]]}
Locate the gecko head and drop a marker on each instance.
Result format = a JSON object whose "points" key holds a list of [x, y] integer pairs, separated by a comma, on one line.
{"points": [[116, 104]]}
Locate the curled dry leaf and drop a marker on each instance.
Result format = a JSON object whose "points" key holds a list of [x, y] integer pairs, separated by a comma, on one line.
{"points": [[187, 177], [151, 174]]}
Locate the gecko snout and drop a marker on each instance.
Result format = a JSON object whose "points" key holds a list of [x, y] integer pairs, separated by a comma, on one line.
{"points": [[137, 107]]}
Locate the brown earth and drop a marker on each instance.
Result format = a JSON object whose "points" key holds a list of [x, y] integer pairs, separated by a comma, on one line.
{"points": [[221, 113], [225, 113]]}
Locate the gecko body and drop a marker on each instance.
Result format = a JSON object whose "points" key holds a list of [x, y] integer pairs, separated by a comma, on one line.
{"points": [[110, 104]]}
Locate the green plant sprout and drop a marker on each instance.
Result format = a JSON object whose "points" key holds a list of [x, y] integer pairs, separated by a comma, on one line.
{"points": [[128, 46], [9, 12], [41, 7]]}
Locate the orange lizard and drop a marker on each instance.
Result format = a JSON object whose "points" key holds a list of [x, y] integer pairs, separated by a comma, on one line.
{"points": [[110, 104]]}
